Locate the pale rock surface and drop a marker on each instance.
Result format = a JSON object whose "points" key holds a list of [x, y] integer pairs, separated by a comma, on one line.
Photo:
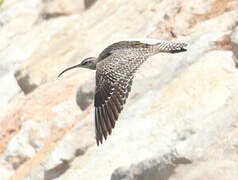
{"points": [[234, 43], [57, 8], [43, 123], [154, 168], [180, 121], [14, 46], [65, 43], [174, 111], [54, 8], [19, 40]]}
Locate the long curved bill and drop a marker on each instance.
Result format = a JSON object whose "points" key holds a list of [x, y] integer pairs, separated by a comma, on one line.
{"points": [[72, 67]]}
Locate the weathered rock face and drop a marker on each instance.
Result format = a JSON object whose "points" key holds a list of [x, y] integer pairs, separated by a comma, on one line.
{"points": [[17, 42], [180, 120], [153, 169], [234, 44], [56, 8]]}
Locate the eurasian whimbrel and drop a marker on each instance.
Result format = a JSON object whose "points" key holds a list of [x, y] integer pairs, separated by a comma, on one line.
{"points": [[115, 68]]}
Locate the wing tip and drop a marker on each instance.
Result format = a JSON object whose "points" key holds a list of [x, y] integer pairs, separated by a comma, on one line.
{"points": [[99, 141]]}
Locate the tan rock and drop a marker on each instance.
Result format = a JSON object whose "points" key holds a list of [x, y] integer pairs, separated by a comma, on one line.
{"points": [[180, 121], [42, 123]]}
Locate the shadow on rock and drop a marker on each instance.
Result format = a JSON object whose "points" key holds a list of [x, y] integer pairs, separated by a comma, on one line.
{"points": [[84, 95], [152, 169]]}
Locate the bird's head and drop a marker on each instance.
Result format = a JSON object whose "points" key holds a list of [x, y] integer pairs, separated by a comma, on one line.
{"points": [[89, 63]]}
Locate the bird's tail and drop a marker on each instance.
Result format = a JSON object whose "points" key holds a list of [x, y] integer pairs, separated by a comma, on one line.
{"points": [[169, 47]]}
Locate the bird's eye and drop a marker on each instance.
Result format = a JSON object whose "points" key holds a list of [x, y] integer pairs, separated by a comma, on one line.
{"points": [[86, 62]]}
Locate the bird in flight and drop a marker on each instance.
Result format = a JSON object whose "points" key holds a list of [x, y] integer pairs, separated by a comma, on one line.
{"points": [[115, 67]]}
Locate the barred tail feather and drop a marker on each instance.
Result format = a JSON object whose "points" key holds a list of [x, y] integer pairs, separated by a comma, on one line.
{"points": [[170, 47]]}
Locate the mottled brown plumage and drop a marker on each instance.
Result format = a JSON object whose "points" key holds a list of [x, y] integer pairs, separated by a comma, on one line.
{"points": [[115, 67]]}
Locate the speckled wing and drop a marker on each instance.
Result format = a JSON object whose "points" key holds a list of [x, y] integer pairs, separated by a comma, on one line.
{"points": [[114, 78], [124, 46]]}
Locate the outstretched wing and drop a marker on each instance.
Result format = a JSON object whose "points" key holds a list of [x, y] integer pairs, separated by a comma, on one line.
{"points": [[114, 78]]}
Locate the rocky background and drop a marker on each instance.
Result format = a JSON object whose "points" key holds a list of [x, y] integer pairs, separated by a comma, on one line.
{"points": [[181, 119]]}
